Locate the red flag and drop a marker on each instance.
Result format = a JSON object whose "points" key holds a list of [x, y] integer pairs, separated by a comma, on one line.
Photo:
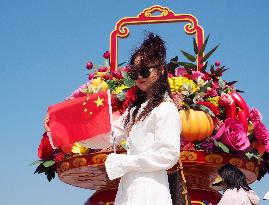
{"points": [[80, 118]]}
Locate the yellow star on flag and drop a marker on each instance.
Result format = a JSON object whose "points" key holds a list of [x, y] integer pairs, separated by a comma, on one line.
{"points": [[99, 101]]}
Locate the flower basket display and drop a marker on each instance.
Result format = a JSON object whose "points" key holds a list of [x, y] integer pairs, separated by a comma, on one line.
{"points": [[218, 127]]}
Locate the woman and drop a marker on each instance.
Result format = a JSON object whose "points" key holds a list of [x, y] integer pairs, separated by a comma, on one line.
{"points": [[237, 191], [151, 126]]}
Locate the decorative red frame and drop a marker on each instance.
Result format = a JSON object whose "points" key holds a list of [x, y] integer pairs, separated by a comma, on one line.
{"points": [[146, 17]]}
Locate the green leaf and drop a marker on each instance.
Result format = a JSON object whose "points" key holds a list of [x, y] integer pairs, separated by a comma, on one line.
{"points": [[204, 108], [212, 71], [49, 163], [221, 83], [172, 65], [37, 162], [231, 83], [204, 88], [121, 64], [187, 65], [121, 96], [129, 82], [195, 47], [209, 53], [201, 51], [188, 56], [111, 84], [204, 67], [222, 146], [239, 91]]}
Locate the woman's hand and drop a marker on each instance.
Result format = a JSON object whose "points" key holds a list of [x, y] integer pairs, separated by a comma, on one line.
{"points": [[46, 123]]}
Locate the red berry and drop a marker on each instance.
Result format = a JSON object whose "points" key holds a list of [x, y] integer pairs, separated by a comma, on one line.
{"points": [[217, 63], [106, 55], [117, 75], [91, 76], [89, 65], [102, 69], [106, 77]]}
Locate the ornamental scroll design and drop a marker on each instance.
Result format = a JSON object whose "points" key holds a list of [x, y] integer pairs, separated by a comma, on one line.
{"points": [[236, 162], [78, 162], [214, 158], [148, 16], [64, 166], [188, 156], [250, 166], [99, 158]]}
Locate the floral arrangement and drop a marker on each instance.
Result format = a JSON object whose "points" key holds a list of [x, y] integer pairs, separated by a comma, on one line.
{"points": [[229, 125]]}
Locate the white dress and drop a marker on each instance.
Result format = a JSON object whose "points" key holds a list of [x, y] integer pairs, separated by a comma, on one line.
{"points": [[153, 147]]}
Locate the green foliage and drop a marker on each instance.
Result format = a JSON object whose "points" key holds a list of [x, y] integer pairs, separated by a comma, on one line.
{"points": [[204, 109], [222, 146], [47, 167], [189, 56]]}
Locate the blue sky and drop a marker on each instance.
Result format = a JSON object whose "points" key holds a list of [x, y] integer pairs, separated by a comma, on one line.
{"points": [[44, 46]]}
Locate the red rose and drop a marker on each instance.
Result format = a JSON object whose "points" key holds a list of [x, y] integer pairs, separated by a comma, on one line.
{"points": [[45, 150]]}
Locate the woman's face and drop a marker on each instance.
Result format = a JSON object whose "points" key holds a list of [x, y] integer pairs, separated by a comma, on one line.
{"points": [[146, 83]]}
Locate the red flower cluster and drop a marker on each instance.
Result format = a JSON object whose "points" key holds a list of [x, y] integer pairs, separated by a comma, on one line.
{"points": [[130, 97], [211, 106], [59, 157], [45, 151], [116, 104]]}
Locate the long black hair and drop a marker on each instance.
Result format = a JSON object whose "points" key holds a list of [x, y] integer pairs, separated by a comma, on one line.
{"points": [[233, 177], [152, 50]]}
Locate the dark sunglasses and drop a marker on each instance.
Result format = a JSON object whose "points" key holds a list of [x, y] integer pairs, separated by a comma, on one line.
{"points": [[143, 72]]}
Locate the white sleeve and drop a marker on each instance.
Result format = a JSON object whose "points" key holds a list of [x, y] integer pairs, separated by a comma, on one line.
{"points": [[227, 198], [106, 140], [163, 155]]}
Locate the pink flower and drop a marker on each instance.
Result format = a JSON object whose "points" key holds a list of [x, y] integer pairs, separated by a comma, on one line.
{"points": [[196, 74], [180, 71], [226, 99], [211, 93], [233, 135], [260, 131]]}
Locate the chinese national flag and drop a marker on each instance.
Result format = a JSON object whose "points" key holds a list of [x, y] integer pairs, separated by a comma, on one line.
{"points": [[80, 118]]}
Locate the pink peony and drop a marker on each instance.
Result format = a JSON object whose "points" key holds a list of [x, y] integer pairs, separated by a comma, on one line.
{"points": [[260, 131], [180, 71], [196, 74], [233, 135]]}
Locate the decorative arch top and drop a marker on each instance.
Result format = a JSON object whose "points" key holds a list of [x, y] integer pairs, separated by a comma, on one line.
{"points": [[150, 16]]}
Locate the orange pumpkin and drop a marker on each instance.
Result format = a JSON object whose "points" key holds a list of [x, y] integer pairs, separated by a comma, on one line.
{"points": [[196, 125]]}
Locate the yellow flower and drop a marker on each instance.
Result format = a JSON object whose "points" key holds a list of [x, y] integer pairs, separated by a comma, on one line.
{"points": [[119, 89], [214, 100], [181, 83], [78, 149]]}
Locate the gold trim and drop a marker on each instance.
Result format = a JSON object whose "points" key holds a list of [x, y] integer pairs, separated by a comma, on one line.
{"points": [[188, 156], [214, 158], [78, 162], [99, 158], [64, 166], [236, 162], [250, 166]]}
